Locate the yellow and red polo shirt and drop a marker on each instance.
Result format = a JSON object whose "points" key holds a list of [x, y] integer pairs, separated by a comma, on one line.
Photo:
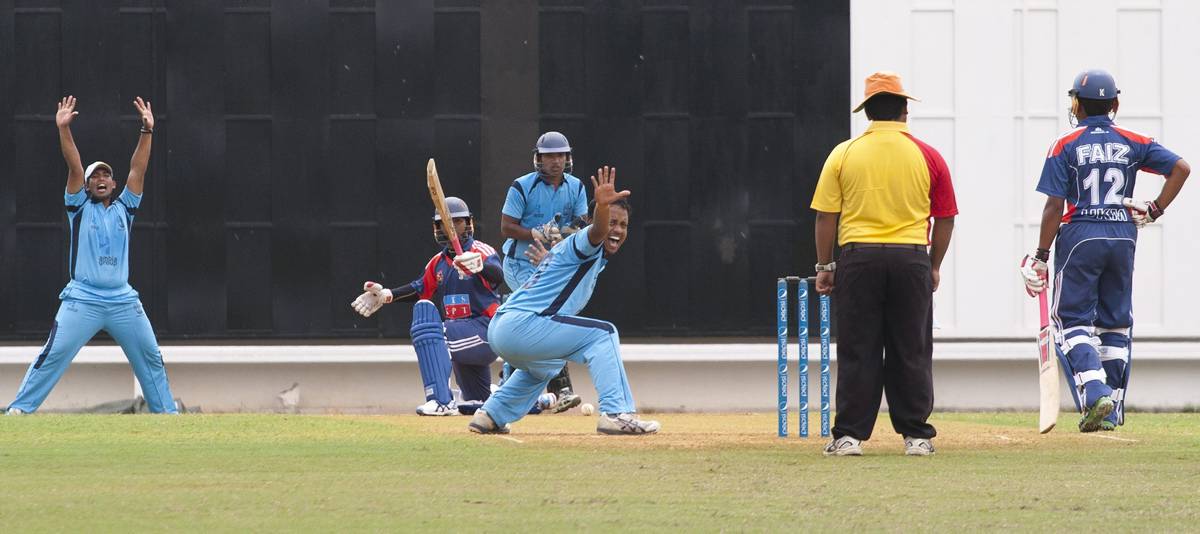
{"points": [[886, 184]]}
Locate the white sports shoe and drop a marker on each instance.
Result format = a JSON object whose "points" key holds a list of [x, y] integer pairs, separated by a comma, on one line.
{"points": [[14, 411], [432, 407], [482, 423], [625, 423], [918, 446], [844, 446]]}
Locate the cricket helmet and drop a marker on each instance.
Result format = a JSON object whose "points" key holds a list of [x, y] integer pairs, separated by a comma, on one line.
{"points": [[1094, 84], [552, 143], [458, 210]]}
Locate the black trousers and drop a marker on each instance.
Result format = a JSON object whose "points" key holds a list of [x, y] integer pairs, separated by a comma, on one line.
{"points": [[885, 340]]}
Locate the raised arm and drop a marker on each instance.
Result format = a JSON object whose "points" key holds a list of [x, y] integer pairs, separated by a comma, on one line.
{"points": [[141, 155], [605, 193], [66, 113]]}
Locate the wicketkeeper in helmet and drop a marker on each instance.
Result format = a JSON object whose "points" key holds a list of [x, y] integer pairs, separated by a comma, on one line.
{"points": [[456, 297], [541, 206], [1091, 171]]}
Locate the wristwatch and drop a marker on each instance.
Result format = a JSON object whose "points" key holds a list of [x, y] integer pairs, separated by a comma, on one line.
{"points": [[826, 267]]}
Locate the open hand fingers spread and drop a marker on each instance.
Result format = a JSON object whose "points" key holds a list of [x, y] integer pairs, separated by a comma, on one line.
{"points": [[604, 176]]}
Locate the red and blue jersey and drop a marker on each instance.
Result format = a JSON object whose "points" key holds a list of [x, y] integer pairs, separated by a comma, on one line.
{"points": [[1094, 167], [458, 296]]}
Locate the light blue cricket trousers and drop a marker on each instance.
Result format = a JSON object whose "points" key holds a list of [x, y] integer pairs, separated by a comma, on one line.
{"points": [[516, 272], [76, 323], [539, 346]]}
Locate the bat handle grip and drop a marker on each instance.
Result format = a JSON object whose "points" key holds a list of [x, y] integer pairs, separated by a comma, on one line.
{"points": [[458, 246], [1043, 310]]}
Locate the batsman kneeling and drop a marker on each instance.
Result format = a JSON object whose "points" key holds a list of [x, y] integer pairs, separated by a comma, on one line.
{"points": [[455, 298], [537, 330]]}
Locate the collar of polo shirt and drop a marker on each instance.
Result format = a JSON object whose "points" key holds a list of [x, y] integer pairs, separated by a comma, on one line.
{"points": [[887, 126]]}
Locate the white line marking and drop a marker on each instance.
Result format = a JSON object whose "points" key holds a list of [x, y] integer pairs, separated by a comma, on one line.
{"points": [[514, 440], [1112, 438], [1003, 437]]}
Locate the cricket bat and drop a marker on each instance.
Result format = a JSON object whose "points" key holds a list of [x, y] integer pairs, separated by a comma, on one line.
{"points": [[1047, 370], [439, 203]]}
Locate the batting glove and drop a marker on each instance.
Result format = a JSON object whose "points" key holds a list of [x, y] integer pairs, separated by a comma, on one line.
{"points": [[468, 263], [1034, 272], [374, 297], [1142, 212]]}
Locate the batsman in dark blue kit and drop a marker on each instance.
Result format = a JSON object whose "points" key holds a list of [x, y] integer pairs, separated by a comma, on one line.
{"points": [[455, 300], [1088, 179]]}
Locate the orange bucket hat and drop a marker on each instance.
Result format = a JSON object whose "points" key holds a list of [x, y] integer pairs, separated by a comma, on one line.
{"points": [[883, 82]]}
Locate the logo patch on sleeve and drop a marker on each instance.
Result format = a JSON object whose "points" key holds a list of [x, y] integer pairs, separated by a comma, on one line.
{"points": [[457, 306]]}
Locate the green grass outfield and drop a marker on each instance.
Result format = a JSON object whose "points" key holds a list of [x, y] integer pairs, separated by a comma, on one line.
{"points": [[87, 473]]}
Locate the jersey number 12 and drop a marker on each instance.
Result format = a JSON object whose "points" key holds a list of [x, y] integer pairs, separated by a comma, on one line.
{"points": [[1114, 195]]}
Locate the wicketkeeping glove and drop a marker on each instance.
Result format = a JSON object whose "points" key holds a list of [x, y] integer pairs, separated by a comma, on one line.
{"points": [[468, 263], [548, 233], [1142, 212], [374, 297], [1035, 274]]}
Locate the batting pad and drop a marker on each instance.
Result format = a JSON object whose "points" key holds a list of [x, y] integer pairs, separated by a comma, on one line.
{"points": [[433, 357]]}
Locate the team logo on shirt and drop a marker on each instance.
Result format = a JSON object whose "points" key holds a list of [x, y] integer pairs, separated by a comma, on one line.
{"points": [[457, 306]]}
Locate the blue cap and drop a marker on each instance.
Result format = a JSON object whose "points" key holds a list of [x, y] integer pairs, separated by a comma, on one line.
{"points": [[1094, 84]]}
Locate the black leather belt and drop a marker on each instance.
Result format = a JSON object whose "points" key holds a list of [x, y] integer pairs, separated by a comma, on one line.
{"points": [[852, 246]]}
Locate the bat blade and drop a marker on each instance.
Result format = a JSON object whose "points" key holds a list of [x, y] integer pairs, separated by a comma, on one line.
{"points": [[1048, 373], [439, 203]]}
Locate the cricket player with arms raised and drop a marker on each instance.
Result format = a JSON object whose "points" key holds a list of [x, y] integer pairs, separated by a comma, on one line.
{"points": [[537, 330], [538, 208], [99, 296], [455, 299], [1091, 171]]}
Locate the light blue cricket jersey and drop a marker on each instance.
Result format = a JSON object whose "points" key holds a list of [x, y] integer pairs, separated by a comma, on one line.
{"points": [[99, 257], [564, 281], [534, 202]]}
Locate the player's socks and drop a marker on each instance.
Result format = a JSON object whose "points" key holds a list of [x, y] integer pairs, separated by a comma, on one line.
{"points": [[433, 356]]}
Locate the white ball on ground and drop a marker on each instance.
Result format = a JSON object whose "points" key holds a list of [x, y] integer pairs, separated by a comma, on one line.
{"points": [[587, 409]]}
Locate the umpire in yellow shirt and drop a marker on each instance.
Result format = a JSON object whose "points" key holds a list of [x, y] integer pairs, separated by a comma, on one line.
{"points": [[887, 186]]}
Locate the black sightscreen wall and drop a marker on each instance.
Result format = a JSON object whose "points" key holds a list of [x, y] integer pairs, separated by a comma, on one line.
{"points": [[289, 156]]}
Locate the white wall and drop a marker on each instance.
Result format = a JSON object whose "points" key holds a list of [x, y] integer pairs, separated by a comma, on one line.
{"points": [[992, 77]]}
